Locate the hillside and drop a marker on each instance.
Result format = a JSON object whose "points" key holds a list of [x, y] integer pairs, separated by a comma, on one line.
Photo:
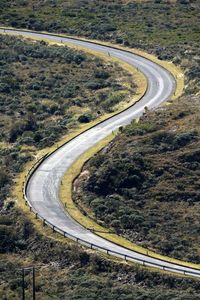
{"points": [[149, 173], [145, 184], [68, 271], [169, 29], [46, 92]]}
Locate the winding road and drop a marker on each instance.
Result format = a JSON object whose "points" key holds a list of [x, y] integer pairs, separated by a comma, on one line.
{"points": [[43, 185]]}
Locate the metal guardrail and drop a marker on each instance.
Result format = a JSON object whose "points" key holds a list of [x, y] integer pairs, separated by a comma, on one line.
{"points": [[194, 272]]}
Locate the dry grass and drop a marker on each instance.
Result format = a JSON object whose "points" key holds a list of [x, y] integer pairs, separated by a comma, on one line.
{"points": [[65, 192]]}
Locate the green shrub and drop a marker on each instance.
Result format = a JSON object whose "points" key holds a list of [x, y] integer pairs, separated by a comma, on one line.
{"points": [[4, 178], [85, 118]]}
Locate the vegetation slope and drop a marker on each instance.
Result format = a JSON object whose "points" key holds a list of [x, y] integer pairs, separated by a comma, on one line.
{"points": [[145, 184], [44, 93], [67, 271], [168, 29]]}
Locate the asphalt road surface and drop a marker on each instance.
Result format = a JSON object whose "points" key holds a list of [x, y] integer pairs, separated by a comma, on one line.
{"points": [[43, 187]]}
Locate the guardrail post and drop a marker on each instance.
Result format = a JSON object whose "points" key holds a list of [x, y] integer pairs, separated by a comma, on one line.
{"points": [[64, 234], [36, 215], [43, 222], [125, 257], [53, 228], [77, 239], [30, 208]]}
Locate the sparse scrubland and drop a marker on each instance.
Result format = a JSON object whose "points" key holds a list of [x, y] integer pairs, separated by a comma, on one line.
{"points": [[169, 29], [45, 92], [67, 271], [144, 185]]}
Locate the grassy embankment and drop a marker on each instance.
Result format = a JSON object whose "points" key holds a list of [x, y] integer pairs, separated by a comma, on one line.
{"points": [[164, 202], [34, 115], [31, 112], [65, 262], [141, 84], [143, 25], [179, 76], [73, 172], [139, 25]]}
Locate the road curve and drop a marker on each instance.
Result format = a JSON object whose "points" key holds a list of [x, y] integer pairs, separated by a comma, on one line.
{"points": [[43, 185]]}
